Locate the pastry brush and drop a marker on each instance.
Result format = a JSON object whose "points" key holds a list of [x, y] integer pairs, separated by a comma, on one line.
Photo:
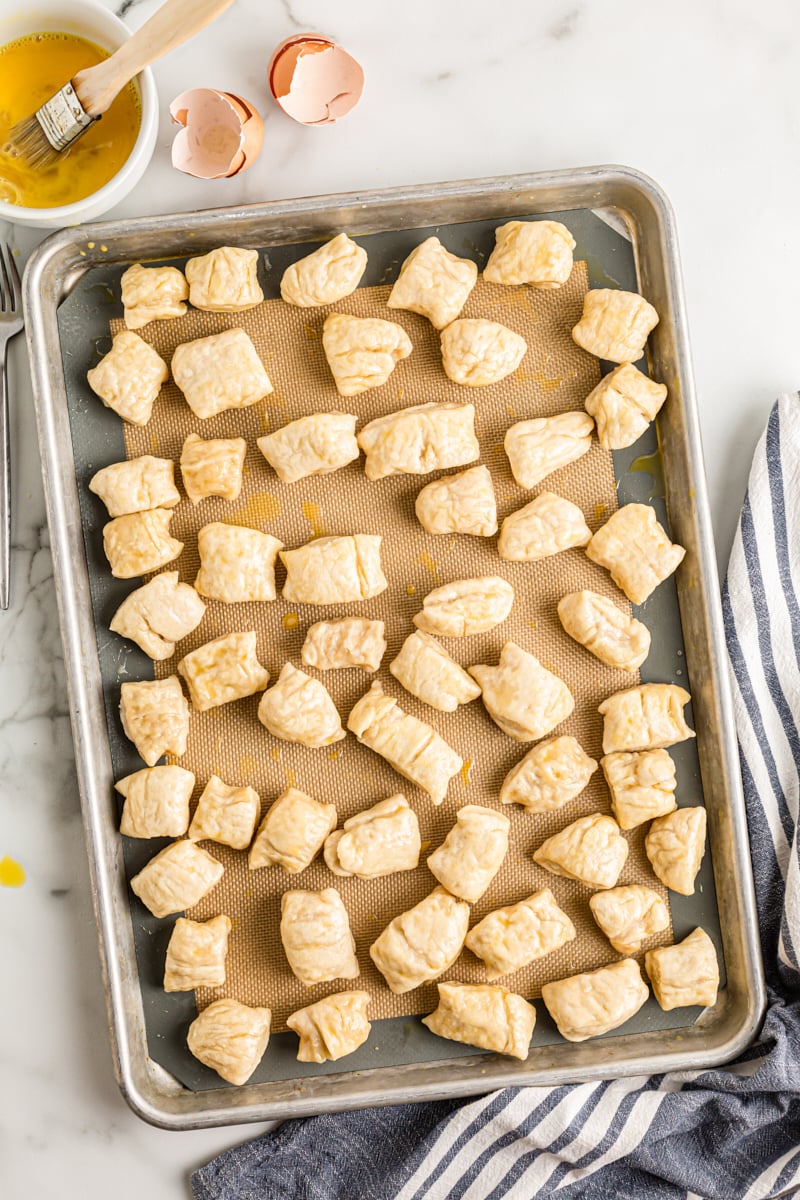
{"points": [[71, 111]]}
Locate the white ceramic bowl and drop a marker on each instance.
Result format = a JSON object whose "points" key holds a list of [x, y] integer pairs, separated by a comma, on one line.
{"points": [[90, 20]]}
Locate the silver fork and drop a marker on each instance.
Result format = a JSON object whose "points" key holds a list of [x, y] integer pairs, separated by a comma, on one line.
{"points": [[11, 322]]}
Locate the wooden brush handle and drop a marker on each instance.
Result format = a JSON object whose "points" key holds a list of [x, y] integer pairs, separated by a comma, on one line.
{"points": [[174, 23]]}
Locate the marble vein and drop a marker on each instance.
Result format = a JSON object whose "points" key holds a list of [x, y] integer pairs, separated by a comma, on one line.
{"points": [[126, 7], [565, 26]]}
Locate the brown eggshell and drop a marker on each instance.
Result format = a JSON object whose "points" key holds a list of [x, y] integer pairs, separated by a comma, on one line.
{"points": [[314, 80], [221, 134]]}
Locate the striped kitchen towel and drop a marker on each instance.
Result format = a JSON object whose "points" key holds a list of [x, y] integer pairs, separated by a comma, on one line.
{"points": [[731, 1133]]}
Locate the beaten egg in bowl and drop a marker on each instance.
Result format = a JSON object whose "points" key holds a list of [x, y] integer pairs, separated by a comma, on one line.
{"points": [[32, 69]]}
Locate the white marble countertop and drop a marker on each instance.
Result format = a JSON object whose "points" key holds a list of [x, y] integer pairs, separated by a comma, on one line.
{"points": [[701, 97]]}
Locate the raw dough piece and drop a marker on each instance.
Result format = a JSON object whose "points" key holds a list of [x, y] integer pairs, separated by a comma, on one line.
{"points": [[515, 936], [596, 1002], [332, 1028], [623, 404], [537, 252], [139, 543], [642, 785], [237, 564], [525, 699], [230, 1038], [647, 717], [477, 352], [591, 850], [362, 352], [225, 814], [462, 503], [158, 614], [129, 378], [326, 275], [466, 606], [434, 283], [136, 485], [636, 551], [298, 708], [420, 439], [479, 1014], [212, 468], [155, 716], [196, 954], [152, 294], [219, 372], [686, 973], [225, 280], [156, 802], [312, 445], [315, 931], [614, 325], [427, 671], [334, 570], [223, 670], [348, 642], [472, 853], [177, 878], [292, 832], [628, 915], [549, 776], [409, 745], [421, 943], [379, 841], [542, 445], [675, 845], [604, 629], [548, 525]]}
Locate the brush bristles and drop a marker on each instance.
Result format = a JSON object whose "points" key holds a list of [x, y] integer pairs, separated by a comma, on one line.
{"points": [[52, 128], [29, 141]]}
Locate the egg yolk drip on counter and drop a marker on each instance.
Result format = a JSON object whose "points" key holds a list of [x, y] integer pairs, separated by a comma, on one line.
{"points": [[32, 69]]}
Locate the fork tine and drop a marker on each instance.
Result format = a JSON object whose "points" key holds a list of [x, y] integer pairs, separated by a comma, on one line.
{"points": [[6, 291], [16, 284]]}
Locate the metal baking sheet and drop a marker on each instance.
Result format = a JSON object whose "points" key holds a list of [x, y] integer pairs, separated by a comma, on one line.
{"points": [[98, 438], [624, 231]]}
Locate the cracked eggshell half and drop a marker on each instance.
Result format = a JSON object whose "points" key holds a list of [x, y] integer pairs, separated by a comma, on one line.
{"points": [[314, 80], [221, 134]]}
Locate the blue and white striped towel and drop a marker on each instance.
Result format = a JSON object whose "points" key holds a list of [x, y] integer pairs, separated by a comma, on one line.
{"points": [[726, 1134]]}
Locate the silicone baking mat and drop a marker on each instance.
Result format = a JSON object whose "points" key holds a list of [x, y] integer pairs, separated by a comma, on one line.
{"points": [[555, 377]]}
